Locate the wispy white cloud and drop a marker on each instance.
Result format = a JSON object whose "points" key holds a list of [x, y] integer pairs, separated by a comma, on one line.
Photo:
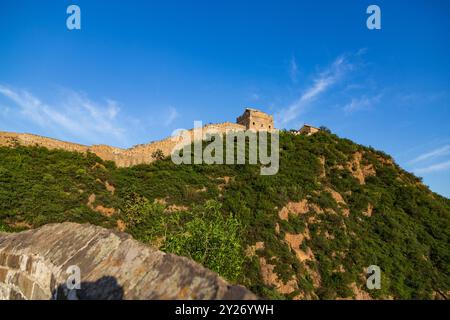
{"points": [[445, 150], [361, 103], [293, 69], [75, 114], [173, 114], [433, 168], [361, 52], [323, 81]]}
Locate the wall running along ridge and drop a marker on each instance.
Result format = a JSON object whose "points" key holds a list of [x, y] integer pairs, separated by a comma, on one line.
{"points": [[139, 154]]}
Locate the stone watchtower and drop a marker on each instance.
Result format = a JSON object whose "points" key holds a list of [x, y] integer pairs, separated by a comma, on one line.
{"points": [[256, 120]]}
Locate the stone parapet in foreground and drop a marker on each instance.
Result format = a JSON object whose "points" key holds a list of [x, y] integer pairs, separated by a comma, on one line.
{"points": [[34, 264]]}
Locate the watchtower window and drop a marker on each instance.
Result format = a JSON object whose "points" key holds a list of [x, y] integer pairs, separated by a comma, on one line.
{"points": [[253, 123], [262, 126]]}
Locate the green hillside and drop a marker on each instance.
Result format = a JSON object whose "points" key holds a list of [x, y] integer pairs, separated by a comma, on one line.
{"points": [[309, 231]]}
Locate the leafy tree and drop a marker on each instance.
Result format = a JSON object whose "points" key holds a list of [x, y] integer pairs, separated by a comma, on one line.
{"points": [[158, 154], [325, 129]]}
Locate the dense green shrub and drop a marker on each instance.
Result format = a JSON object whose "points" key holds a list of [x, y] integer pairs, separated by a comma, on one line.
{"points": [[204, 234], [212, 239]]}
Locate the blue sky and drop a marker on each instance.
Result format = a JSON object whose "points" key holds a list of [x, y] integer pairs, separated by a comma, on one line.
{"points": [[138, 70]]}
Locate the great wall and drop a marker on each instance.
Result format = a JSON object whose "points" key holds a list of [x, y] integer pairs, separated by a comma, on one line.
{"points": [[141, 154], [34, 263]]}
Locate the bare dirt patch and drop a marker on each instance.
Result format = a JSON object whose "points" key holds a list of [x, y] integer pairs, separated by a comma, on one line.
{"points": [[296, 208], [328, 235], [121, 226], [226, 180], [91, 200], [19, 224], [110, 187], [322, 166], [295, 241], [358, 170], [315, 277], [108, 212], [162, 201], [339, 200], [359, 293], [277, 228], [369, 211], [251, 250], [176, 208], [202, 189], [270, 278], [385, 161], [339, 269]]}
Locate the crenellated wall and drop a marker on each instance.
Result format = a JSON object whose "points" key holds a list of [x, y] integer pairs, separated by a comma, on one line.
{"points": [[122, 157], [256, 120], [251, 119], [26, 139]]}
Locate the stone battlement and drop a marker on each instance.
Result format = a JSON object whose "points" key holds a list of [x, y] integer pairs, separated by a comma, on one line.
{"points": [[142, 153], [256, 120]]}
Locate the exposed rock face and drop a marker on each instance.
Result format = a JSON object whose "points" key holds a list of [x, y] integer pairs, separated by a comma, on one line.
{"points": [[359, 170], [271, 278], [34, 264]]}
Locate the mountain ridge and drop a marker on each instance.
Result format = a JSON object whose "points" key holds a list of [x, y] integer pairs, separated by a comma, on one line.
{"points": [[308, 232]]}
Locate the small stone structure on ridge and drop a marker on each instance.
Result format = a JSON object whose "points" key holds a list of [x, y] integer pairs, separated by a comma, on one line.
{"points": [[256, 120], [308, 130]]}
